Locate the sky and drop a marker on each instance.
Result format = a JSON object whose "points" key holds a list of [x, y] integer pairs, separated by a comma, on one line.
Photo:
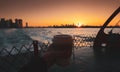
{"points": [[57, 12]]}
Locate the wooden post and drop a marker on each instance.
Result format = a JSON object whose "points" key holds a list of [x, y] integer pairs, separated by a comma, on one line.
{"points": [[35, 45]]}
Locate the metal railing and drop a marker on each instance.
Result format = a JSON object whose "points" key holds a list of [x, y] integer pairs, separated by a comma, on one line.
{"points": [[11, 60], [83, 41]]}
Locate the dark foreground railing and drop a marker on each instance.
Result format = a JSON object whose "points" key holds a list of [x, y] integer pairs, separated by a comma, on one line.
{"points": [[11, 60]]}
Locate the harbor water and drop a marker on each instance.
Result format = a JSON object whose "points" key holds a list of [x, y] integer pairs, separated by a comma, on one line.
{"points": [[82, 59]]}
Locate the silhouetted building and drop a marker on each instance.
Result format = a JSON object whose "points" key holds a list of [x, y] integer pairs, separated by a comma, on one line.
{"points": [[10, 24], [2, 23], [26, 25], [20, 23]]}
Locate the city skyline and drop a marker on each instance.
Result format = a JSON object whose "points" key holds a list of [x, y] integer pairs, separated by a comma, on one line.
{"points": [[9, 23], [57, 12]]}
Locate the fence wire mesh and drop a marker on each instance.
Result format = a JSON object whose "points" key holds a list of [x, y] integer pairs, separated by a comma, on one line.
{"points": [[83, 41], [12, 59]]}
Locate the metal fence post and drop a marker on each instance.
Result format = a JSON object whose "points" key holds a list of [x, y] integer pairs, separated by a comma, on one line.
{"points": [[35, 45]]}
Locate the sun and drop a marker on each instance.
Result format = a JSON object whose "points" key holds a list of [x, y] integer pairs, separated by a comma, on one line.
{"points": [[79, 24]]}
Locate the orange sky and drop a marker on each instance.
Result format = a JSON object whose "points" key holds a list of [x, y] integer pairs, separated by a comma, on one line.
{"points": [[56, 12]]}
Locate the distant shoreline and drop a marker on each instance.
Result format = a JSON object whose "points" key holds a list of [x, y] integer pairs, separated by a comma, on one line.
{"points": [[67, 27], [75, 27]]}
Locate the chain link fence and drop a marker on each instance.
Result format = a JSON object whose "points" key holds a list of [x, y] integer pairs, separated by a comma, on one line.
{"points": [[12, 59]]}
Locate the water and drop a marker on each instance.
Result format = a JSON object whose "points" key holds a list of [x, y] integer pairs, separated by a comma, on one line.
{"points": [[18, 37], [13, 37]]}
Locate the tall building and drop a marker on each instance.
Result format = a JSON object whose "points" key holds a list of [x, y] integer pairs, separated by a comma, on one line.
{"points": [[26, 25], [10, 24], [2, 22], [18, 23]]}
